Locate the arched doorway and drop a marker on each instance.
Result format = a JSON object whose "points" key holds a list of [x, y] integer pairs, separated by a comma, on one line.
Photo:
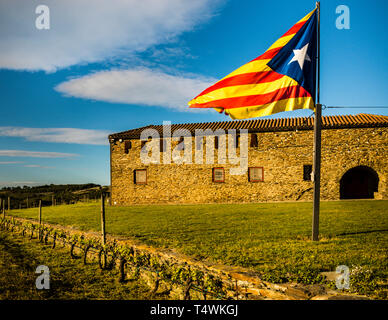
{"points": [[359, 183]]}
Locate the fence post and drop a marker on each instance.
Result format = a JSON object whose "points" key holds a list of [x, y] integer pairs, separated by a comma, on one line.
{"points": [[40, 212], [9, 203], [3, 208], [40, 235], [103, 236], [103, 218]]}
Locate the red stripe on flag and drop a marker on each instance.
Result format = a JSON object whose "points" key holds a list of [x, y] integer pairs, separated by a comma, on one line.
{"points": [[256, 100], [295, 28], [244, 79], [269, 54]]}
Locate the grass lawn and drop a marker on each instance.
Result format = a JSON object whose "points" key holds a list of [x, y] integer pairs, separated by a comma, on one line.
{"points": [[271, 238]]}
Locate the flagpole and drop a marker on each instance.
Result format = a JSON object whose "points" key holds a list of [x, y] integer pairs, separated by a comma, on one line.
{"points": [[317, 137]]}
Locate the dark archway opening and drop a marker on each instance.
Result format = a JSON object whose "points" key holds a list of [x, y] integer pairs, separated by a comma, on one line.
{"points": [[359, 183]]}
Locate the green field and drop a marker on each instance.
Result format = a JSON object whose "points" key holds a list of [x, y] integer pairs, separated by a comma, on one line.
{"points": [[272, 238]]}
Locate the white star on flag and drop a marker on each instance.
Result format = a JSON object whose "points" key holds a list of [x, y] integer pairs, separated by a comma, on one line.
{"points": [[301, 56]]}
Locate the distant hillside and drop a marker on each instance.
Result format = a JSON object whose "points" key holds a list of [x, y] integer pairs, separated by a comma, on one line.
{"points": [[23, 197]]}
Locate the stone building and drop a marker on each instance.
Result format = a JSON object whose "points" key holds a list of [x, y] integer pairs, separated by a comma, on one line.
{"points": [[279, 161]]}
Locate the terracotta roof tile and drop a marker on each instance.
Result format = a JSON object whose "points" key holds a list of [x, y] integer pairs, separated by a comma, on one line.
{"points": [[269, 125]]}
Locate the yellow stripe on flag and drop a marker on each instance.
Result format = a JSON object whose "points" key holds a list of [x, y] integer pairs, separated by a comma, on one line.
{"points": [[253, 66], [271, 108], [284, 40], [307, 16], [281, 42], [247, 90]]}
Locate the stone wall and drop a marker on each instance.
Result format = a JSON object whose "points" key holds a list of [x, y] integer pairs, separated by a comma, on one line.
{"points": [[281, 154], [234, 283]]}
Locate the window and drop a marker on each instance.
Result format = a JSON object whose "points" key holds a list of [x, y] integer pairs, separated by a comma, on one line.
{"points": [[218, 175], [127, 146], [163, 145], [143, 147], [140, 176], [307, 171], [254, 142], [181, 144], [198, 142], [216, 142], [237, 141], [256, 174]]}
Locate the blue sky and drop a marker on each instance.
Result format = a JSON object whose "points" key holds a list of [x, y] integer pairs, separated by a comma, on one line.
{"points": [[118, 65]]}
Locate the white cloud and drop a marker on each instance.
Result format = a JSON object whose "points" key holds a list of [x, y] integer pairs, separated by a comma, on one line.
{"points": [[37, 166], [26, 165], [35, 154], [58, 135], [137, 86], [10, 162], [83, 31]]}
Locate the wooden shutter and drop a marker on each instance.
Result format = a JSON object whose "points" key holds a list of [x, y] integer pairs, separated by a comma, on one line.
{"points": [[256, 174], [140, 176], [307, 170], [218, 175], [254, 142], [127, 146]]}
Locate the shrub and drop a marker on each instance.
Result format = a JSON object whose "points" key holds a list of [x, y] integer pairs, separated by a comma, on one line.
{"points": [[363, 280]]}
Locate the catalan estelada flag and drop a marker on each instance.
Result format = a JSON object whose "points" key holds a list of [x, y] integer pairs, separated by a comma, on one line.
{"points": [[281, 79]]}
